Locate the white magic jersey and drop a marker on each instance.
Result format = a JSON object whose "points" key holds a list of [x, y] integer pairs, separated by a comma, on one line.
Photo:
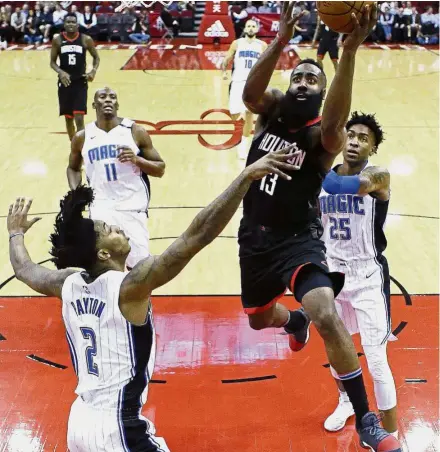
{"points": [[353, 226], [118, 186], [112, 358], [246, 56]]}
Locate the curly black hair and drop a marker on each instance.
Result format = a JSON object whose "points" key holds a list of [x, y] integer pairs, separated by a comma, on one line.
{"points": [[312, 62], [74, 238], [370, 121]]}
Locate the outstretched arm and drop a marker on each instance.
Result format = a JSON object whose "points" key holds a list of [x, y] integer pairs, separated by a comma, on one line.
{"points": [[39, 278], [149, 160], [156, 271], [338, 102], [257, 98], [75, 160], [374, 180]]}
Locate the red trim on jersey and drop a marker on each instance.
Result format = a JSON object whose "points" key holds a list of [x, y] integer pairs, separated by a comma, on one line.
{"points": [[70, 40], [307, 124], [267, 306], [77, 112], [69, 116], [292, 281]]}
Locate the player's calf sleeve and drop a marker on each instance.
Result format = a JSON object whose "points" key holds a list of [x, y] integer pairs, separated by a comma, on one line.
{"points": [[384, 386]]}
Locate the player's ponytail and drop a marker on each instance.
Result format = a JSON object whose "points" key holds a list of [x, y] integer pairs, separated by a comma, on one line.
{"points": [[74, 238]]}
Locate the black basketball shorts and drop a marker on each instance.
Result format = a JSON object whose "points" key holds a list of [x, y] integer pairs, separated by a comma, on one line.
{"points": [[270, 262], [73, 98], [330, 46]]}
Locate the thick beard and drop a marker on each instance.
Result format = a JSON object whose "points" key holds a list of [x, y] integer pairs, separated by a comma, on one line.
{"points": [[296, 113]]}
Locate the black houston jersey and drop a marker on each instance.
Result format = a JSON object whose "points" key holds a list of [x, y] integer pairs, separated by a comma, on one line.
{"points": [[280, 203], [73, 56]]}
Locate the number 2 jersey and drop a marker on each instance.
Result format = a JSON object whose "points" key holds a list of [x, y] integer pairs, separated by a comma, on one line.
{"points": [[353, 226], [73, 56], [287, 205], [118, 186], [112, 358]]}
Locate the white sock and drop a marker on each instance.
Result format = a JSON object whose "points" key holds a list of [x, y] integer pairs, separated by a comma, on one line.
{"points": [[344, 396]]}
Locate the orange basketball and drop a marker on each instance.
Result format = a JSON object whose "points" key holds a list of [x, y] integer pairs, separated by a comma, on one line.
{"points": [[337, 15]]}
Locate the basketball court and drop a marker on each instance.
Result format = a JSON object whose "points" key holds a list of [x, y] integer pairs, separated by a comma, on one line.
{"points": [[218, 385]]}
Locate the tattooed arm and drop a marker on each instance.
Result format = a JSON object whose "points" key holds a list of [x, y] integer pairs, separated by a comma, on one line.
{"points": [[39, 278], [375, 180], [156, 271]]}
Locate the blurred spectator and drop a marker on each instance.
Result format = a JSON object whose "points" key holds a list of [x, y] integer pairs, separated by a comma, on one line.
{"points": [[79, 16], [6, 31], [251, 9], [140, 30], [428, 21], [277, 7], [170, 22], [32, 33], [407, 9], [239, 16], [89, 22], [58, 17], [104, 8], [44, 22], [174, 6], [18, 23], [427, 38], [265, 8], [25, 10], [414, 25], [303, 28], [400, 26], [394, 7], [386, 21]]}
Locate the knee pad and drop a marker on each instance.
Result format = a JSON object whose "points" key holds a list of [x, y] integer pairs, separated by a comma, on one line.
{"points": [[384, 386]]}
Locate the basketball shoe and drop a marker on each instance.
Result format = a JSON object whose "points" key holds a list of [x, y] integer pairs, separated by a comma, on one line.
{"points": [[376, 438], [298, 339]]}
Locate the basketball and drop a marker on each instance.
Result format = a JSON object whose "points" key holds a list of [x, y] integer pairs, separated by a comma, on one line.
{"points": [[337, 15]]}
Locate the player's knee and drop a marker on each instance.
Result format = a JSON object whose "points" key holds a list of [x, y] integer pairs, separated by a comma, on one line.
{"points": [[79, 121], [326, 320]]}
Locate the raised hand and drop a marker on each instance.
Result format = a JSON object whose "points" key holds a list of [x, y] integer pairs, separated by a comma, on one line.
{"points": [[288, 21], [275, 163], [17, 217], [362, 28]]}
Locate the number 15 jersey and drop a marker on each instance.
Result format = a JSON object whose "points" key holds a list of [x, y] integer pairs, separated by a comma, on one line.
{"points": [[117, 186], [73, 56]]}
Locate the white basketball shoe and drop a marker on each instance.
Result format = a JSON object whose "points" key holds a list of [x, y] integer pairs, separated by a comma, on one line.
{"points": [[343, 412]]}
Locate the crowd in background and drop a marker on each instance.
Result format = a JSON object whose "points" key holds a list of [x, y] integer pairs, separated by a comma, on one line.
{"points": [[397, 21], [37, 22]]}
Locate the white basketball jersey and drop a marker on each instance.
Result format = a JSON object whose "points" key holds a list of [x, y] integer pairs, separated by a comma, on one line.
{"points": [[353, 226], [246, 56], [118, 186], [112, 358]]}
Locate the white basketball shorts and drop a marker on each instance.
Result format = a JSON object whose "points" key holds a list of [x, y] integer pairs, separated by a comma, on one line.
{"points": [[364, 302], [134, 224], [236, 105], [91, 429]]}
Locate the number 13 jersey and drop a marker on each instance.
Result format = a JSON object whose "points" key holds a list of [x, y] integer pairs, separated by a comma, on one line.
{"points": [[118, 186], [353, 226], [288, 205]]}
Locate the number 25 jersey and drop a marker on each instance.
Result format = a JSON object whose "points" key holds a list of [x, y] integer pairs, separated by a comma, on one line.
{"points": [[118, 186], [353, 226]]}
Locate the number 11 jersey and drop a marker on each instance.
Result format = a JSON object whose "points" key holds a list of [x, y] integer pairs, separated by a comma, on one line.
{"points": [[117, 186]]}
